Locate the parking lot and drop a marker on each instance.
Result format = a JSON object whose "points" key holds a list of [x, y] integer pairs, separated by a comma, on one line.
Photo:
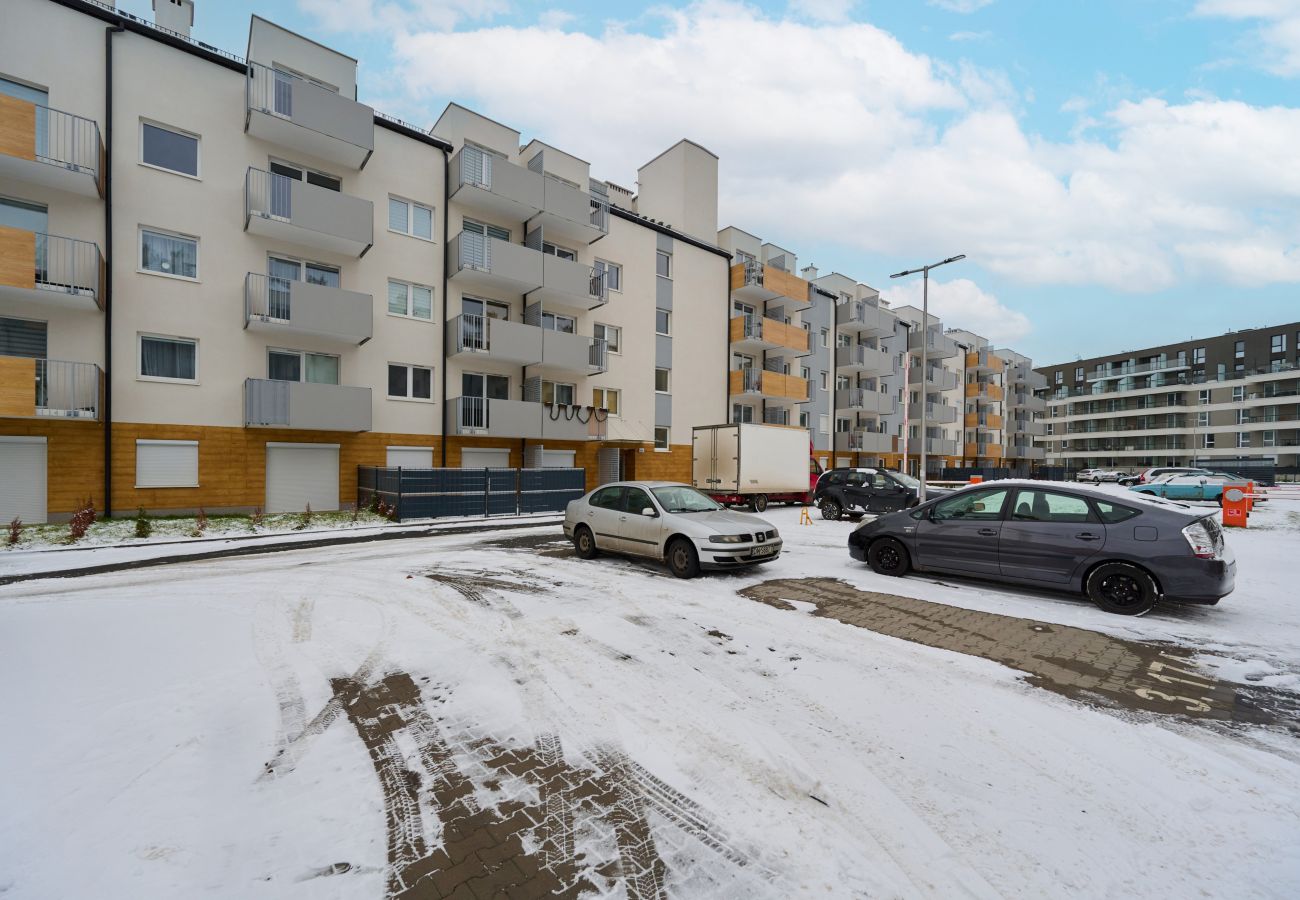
{"points": [[487, 715]]}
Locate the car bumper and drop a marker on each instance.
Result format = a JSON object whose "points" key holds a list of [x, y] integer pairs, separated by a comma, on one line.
{"points": [[722, 556], [1200, 580]]}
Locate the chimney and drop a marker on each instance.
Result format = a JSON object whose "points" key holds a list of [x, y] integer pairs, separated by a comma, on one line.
{"points": [[174, 15], [809, 273]]}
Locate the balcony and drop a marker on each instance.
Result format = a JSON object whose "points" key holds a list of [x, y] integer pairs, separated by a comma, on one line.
{"points": [[982, 421], [522, 419], [760, 283], [570, 354], [933, 446], [49, 388], [863, 441], [982, 450], [279, 305], [1128, 369], [935, 413], [937, 379], [570, 423], [756, 333], [984, 361], [570, 214], [983, 392], [1025, 451], [866, 401], [499, 340], [304, 404], [936, 345], [567, 286], [866, 360], [283, 208], [1026, 426], [857, 317], [1021, 375], [476, 261], [44, 146], [1027, 402], [489, 184], [773, 386], [49, 269], [291, 112]]}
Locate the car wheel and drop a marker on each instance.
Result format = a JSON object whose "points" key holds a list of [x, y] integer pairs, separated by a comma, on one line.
{"points": [[584, 543], [1122, 588], [887, 556], [758, 502], [831, 509], [682, 559]]}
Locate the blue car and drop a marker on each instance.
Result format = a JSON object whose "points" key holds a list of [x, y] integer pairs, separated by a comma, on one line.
{"points": [[1189, 487]]}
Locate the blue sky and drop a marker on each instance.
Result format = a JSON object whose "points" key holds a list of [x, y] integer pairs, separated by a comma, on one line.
{"points": [[1120, 174]]}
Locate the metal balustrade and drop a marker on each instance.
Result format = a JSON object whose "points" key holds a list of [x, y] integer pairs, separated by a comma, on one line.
{"points": [[67, 389]]}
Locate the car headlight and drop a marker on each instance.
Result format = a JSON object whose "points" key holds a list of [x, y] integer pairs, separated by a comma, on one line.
{"points": [[729, 539]]}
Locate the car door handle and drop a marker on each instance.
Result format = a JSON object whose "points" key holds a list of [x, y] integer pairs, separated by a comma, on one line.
{"points": [[1088, 536], [988, 532]]}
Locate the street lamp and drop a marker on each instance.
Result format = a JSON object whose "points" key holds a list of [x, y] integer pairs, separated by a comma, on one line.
{"points": [[925, 356]]}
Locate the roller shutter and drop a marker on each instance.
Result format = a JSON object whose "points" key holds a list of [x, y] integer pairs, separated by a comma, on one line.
{"points": [[298, 474]]}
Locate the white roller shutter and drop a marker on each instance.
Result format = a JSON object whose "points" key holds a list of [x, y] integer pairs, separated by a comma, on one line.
{"points": [[166, 464], [22, 480], [410, 457], [485, 458], [298, 474], [558, 459], [608, 465]]}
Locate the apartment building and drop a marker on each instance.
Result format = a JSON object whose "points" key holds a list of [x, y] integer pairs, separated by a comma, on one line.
{"points": [[230, 293], [1233, 399]]}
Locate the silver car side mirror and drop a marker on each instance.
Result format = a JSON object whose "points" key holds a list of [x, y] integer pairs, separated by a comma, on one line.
{"points": [[649, 511]]}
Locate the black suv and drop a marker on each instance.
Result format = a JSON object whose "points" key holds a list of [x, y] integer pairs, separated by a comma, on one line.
{"points": [[857, 491]]}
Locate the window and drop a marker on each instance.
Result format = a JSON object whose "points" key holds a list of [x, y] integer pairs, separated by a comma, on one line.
{"points": [[1269, 438], [803, 420], [492, 309], [1238, 393], [843, 382], [604, 398], [169, 254], [166, 464], [635, 500], [414, 301], [501, 234], [1198, 356], [23, 337], [613, 274], [842, 425], [805, 373], [824, 424], [741, 414], [843, 340], [661, 437], [560, 252], [1060, 377], [173, 359], [663, 264], [407, 217], [610, 334], [661, 380], [560, 394], [979, 506], [826, 337], [410, 382], [825, 379], [1204, 396], [1207, 441], [1078, 373], [1202, 419], [663, 319], [1243, 416], [300, 173], [1243, 439], [295, 365], [1112, 513], [1045, 506], [565, 324], [166, 148], [1277, 343], [608, 498]]}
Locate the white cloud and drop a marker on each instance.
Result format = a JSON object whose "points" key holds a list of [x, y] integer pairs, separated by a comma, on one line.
{"points": [[1278, 37], [964, 304], [823, 10], [555, 19], [400, 15], [960, 6], [966, 36]]}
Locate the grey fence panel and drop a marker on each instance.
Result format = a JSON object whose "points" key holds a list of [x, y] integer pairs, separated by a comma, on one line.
{"points": [[434, 493]]}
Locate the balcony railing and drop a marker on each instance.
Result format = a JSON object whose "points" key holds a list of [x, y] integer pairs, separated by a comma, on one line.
{"points": [[50, 146], [293, 112], [32, 261], [861, 399], [278, 206], [306, 308], [937, 346], [305, 404], [55, 388], [598, 357]]}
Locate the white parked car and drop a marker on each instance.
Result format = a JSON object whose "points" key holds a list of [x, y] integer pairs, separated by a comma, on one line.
{"points": [[670, 522]]}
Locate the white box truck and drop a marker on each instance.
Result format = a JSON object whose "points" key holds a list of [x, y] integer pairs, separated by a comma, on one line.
{"points": [[753, 465]]}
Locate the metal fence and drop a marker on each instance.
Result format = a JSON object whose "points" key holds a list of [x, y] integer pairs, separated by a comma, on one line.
{"points": [[435, 493]]}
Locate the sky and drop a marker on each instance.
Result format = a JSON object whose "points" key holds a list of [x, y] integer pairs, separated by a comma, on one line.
{"points": [[1119, 173]]}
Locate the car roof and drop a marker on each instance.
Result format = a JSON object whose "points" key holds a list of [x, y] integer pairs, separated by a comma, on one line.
{"points": [[1100, 493], [642, 484]]}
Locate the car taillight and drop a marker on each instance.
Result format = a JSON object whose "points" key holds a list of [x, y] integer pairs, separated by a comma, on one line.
{"points": [[1202, 540]]}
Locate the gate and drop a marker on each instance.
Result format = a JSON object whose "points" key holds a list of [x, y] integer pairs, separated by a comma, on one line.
{"points": [[435, 493]]}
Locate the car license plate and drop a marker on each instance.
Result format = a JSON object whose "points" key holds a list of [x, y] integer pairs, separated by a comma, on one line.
{"points": [[764, 551]]}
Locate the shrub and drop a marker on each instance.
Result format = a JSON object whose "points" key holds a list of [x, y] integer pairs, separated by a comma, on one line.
{"points": [[356, 513], [256, 519], [15, 531], [81, 521], [304, 518], [388, 512], [143, 527]]}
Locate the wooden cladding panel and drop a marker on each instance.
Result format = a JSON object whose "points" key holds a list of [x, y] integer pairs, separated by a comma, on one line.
{"points": [[74, 459], [992, 421], [972, 360], [776, 384], [658, 465], [737, 327], [970, 420], [784, 283], [735, 381], [17, 128], [737, 276], [994, 391], [17, 386], [784, 335], [17, 258], [984, 391]]}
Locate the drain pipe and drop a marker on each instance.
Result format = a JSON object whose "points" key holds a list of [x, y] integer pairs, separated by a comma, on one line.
{"points": [[446, 244], [106, 289]]}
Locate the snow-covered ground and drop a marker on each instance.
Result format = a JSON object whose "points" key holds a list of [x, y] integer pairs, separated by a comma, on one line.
{"points": [[768, 752]]}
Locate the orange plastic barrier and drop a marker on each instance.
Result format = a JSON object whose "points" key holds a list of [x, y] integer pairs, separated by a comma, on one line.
{"points": [[1236, 506], [976, 479]]}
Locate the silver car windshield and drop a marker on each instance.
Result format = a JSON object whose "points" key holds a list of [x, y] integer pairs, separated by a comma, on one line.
{"points": [[682, 499]]}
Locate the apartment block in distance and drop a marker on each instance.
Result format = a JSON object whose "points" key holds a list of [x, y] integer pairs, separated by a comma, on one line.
{"points": [[298, 285], [1222, 402]]}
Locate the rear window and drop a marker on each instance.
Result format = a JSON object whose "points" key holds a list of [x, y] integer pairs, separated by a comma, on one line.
{"points": [[607, 498], [1111, 513]]}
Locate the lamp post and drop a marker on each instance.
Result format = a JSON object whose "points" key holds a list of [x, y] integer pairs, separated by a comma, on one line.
{"points": [[925, 344]]}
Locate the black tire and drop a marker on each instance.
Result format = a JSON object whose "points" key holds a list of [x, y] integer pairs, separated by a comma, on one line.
{"points": [[1122, 588], [887, 556], [682, 559], [831, 509], [758, 502], [584, 542]]}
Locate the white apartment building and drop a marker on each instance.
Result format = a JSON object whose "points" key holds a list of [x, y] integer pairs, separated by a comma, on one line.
{"points": [[230, 293]]}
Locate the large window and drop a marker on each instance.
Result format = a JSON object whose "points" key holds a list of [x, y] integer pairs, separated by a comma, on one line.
{"points": [[169, 254], [1198, 356], [564, 324], [169, 359], [610, 334], [408, 217], [492, 231], [295, 365], [166, 148], [741, 414], [560, 394], [410, 382], [613, 273], [605, 398], [1277, 343], [412, 300]]}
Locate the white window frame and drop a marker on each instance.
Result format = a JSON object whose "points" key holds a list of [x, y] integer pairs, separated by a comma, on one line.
{"points": [[410, 383], [617, 349], [617, 267], [667, 433], [824, 424], [302, 363], [1243, 439], [668, 313], [668, 373], [740, 419], [198, 155], [826, 337], [669, 258], [178, 445], [139, 254], [139, 357], [410, 219], [410, 301], [602, 402], [573, 388], [559, 251]]}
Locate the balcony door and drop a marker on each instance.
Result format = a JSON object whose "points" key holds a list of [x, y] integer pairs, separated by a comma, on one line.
{"points": [[293, 365], [282, 177], [476, 389], [565, 324], [31, 217], [282, 272], [474, 334]]}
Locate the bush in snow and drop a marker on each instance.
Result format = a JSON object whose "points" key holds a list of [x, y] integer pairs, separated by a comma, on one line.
{"points": [[81, 521], [388, 512], [356, 513], [200, 523], [143, 527], [256, 519], [15, 531], [304, 518]]}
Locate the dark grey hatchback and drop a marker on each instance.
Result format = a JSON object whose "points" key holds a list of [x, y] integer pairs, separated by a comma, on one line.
{"points": [[1123, 553]]}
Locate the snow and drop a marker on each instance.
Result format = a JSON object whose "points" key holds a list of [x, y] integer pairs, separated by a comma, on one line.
{"points": [[142, 707]]}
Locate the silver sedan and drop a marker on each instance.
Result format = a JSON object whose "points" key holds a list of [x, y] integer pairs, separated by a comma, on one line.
{"points": [[671, 522]]}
